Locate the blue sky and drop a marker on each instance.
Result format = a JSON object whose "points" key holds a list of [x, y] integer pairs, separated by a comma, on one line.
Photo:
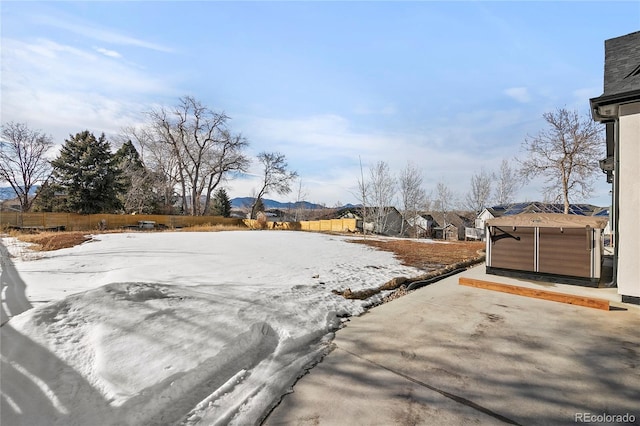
{"points": [[452, 87]]}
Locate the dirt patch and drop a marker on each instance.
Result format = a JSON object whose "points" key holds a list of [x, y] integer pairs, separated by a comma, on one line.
{"points": [[428, 256], [435, 259], [48, 241]]}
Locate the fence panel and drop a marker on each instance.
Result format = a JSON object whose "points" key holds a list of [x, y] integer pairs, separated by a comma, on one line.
{"points": [[9, 219], [77, 222]]}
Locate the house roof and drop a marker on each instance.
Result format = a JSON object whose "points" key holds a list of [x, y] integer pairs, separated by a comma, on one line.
{"points": [[455, 218], [549, 220], [357, 211], [621, 73], [448, 225], [622, 64]]}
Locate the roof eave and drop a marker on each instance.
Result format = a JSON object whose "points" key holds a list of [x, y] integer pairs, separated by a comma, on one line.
{"points": [[602, 115]]}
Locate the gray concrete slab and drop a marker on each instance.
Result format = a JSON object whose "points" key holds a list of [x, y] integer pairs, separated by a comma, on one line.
{"points": [[451, 355]]}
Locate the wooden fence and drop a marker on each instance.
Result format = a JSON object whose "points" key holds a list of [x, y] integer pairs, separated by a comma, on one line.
{"points": [[77, 222], [332, 225]]}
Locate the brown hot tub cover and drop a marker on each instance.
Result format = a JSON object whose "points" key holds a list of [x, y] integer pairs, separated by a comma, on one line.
{"points": [[549, 220]]}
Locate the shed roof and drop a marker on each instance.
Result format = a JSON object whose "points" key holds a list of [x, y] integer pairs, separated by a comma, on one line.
{"points": [[549, 220]]}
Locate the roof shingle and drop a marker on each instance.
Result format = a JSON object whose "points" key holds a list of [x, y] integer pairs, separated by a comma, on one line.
{"points": [[622, 64]]}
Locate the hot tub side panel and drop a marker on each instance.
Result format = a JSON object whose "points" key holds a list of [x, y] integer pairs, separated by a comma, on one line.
{"points": [[565, 252], [511, 249]]}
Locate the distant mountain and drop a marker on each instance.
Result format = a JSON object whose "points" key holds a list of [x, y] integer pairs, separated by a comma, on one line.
{"points": [[7, 192], [240, 202]]}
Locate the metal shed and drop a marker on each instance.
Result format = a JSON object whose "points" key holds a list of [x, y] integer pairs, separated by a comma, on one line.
{"points": [[550, 246]]}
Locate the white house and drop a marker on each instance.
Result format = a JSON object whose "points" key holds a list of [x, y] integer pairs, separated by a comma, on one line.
{"points": [[619, 109], [422, 225]]}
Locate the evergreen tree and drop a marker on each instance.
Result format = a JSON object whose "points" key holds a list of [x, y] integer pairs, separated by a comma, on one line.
{"points": [[86, 171], [128, 156], [221, 204], [51, 197], [138, 194]]}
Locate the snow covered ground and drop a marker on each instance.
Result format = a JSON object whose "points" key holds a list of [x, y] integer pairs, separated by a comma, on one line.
{"points": [[174, 327]]}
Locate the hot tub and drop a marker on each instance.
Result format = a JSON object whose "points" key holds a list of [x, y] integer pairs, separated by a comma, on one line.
{"points": [[546, 247]]}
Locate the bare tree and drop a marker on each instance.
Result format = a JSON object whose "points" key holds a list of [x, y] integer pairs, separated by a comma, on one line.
{"points": [[382, 190], [23, 162], [193, 148], [444, 201], [566, 155], [428, 202], [480, 192], [227, 156], [363, 198], [158, 158], [299, 206], [412, 193], [275, 177], [507, 183]]}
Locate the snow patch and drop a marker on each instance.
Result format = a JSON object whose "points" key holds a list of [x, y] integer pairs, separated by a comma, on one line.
{"points": [[179, 328]]}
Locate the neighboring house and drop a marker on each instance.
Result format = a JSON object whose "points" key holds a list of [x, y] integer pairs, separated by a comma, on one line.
{"points": [[348, 213], [391, 222], [426, 225], [276, 215], [386, 221], [12, 205], [449, 232], [422, 226], [619, 109], [451, 227], [486, 214], [351, 213]]}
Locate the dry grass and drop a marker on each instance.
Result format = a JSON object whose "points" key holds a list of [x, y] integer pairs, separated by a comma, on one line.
{"points": [[428, 256], [48, 241], [213, 228], [436, 259]]}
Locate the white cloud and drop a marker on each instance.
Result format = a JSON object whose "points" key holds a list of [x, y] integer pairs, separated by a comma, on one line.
{"points": [[520, 94], [107, 52], [62, 89], [94, 32], [41, 48], [326, 151]]}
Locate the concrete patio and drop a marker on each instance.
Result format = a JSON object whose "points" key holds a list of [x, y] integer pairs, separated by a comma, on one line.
{"points": [[449, 355]]}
